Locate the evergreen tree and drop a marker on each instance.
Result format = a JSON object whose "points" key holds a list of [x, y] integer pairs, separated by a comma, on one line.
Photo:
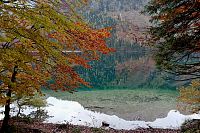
{"points": [[175, 33]]}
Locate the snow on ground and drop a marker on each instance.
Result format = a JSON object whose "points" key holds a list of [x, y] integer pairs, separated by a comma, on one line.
{"points": [[72, 112]]}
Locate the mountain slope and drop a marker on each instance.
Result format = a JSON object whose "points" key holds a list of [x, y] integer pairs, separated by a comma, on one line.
{"points": [[132, 64]]}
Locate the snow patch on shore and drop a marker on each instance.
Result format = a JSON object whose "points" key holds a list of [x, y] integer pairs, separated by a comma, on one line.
{"points": [[63, 111]]}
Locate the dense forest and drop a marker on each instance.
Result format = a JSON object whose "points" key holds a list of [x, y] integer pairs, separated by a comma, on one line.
{"points": [[117, 5], [132, 65]]}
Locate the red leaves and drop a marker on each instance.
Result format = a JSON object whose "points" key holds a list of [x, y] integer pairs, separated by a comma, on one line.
{"points": [[66, 78], [80, 37], [48, 40], [84, 38], [78, 60], [182, 9]]}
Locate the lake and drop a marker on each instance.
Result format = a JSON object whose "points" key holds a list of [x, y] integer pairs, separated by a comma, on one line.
{"points": [[129, 104]]}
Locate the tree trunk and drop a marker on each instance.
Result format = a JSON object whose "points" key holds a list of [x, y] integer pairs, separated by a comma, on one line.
{"points": [[19, 107], [5, 124], [19, 111]]}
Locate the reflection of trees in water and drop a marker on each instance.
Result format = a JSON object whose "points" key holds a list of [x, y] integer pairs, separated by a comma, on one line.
{"points": [[134, 73], [124, 69], [104, 71], [130, 66]]}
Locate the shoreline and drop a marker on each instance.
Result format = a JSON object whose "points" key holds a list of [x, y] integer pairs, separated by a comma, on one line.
{"points": [[127, 104], [63, 112]]}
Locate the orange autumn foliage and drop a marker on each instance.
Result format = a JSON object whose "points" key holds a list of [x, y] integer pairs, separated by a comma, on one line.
{"points": [[45, 44], [40, 42]]}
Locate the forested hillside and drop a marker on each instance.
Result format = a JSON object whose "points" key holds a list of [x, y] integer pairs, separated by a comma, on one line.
{"points": [[118, 5], [131, 66]]}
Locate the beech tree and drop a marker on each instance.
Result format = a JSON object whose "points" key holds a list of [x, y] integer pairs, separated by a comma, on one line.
{"points": [[176, 32], [40, 41]]}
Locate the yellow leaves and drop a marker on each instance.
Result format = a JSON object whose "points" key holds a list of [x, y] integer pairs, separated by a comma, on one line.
{"points": [[195, 84], [190, 96], [39, 35], [3, 99], [13, 85]]}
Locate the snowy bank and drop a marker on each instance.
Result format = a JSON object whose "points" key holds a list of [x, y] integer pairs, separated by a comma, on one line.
{"points": [[64, 111]]}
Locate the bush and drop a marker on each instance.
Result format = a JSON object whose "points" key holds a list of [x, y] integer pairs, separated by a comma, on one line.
{"points": [[189, 98]]}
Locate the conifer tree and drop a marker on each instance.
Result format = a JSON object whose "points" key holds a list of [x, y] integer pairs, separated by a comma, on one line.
{"points": [[175, 33]]}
